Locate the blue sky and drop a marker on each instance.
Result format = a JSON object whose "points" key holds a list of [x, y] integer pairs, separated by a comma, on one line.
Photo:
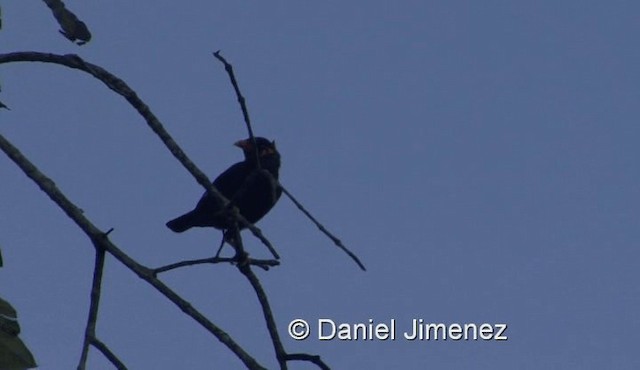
{"points": [[480, 158]]}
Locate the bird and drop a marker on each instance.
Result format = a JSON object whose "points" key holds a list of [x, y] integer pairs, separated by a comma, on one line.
{"points": [[253, 199]]}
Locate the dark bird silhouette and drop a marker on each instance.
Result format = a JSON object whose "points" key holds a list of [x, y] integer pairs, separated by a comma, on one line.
{"points": [[253, 192]]}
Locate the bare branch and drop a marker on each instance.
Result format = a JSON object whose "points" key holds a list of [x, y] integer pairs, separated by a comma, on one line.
{"points": [[108, 353], [264, 264], [245, 269], [99, 237], [90, 329], [241, 100], [335, 240], [309, 358]]}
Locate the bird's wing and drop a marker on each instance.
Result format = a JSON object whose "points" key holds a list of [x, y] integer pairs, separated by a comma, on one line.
{"points": [[230, 181], [227, 184]]}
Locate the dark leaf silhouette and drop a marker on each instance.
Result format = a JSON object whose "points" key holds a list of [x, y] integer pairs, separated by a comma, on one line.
{"points": [[14, 354], [73, 28]]}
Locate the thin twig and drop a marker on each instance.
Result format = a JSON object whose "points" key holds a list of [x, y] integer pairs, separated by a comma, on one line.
{"points": [[121, 88], [108, 353], [96, 235], [264, 264], [335, 240], [90, 329], [221, 246], [309, 358], [241, 100]]}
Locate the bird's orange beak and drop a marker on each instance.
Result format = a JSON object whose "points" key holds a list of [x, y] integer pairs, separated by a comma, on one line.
{"points": [[243, 144]]}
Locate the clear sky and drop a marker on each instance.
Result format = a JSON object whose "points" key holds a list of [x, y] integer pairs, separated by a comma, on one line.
{"points": [[481, 157]]}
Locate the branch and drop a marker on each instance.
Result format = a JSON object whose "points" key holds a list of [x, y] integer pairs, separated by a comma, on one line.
{"points": [[241, 100], [245, 269], [90, 329], [107, 353], [121, 88], [309, 358], [264, 264], [99, 237], [335, 240]]}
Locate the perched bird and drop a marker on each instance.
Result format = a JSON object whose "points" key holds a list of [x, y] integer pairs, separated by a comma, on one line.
{"points": [[253, 199]]}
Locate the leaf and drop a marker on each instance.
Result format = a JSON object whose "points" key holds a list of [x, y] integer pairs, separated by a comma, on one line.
{"points": [[72, 28], [14, 355]]}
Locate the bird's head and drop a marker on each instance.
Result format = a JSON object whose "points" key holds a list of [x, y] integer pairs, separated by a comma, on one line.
{"points": [[266, 150]]}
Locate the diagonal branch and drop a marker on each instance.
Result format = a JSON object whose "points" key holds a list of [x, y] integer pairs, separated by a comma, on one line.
{"points": [[99, 237], [108, 354], [241, 100], [326, 232], [309, 358]]}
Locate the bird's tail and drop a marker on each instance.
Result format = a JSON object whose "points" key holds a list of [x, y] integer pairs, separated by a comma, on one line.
{"points": [[182, 223]]}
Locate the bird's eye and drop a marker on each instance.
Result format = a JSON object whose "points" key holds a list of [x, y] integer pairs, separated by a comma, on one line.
{"points": [[266, 151]]}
